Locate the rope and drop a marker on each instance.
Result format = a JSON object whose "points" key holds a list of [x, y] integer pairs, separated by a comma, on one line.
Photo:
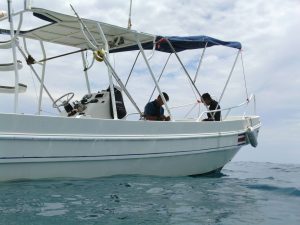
{"points": [[244, 77], [34, 85], [188, 113], [181, 106]]}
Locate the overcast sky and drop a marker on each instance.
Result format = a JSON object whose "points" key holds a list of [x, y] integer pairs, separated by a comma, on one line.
{"points": [[268, 31]]}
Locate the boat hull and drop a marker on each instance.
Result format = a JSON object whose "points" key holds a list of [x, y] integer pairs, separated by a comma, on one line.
{"points": [[34, 147], [176, 165]]}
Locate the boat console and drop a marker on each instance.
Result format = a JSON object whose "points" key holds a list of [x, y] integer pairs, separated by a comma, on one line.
{"points": [[95, 105]]}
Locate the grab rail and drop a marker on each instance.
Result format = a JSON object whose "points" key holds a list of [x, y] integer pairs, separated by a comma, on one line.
{"points": [[8, 43], [228, 109], [252, 96], [5, 44]]}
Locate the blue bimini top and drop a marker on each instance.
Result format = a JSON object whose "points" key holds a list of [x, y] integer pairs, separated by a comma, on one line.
{"points": [[181, 44]]}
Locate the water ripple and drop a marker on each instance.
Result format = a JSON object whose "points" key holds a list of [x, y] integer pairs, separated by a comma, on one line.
{"points": [[290, 191], [245, 193]]}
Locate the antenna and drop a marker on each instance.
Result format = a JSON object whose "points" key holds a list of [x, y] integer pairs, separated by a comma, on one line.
{"points": [[129, 19]]}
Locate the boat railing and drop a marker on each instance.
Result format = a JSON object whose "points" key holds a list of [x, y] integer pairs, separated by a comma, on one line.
{"points": [[228, 109]]}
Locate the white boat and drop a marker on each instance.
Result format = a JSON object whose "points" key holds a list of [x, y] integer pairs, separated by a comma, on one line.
{"points": [[93, 137]]}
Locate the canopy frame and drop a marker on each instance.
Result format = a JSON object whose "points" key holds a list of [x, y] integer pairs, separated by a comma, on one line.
{"points": [[95, 35]]}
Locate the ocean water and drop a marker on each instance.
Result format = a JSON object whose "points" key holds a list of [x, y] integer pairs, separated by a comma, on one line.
{"points": [[243, 193]]}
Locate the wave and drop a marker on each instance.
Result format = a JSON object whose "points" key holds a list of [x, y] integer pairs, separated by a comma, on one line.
{"points": [[290, 191]]}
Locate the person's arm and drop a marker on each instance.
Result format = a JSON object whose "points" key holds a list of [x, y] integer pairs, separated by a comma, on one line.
{"points": [[162, 116]]}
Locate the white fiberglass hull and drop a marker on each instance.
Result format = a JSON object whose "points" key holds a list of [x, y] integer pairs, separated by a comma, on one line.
{"points": [[33, 147]]}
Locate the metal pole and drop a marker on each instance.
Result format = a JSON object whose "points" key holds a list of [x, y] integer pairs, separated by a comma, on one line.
{"points": [[111, 83], [85, 73], [58, 56], [244, 75], [36, 74], [153, 77], [200, 63], [84, 27], [27, 4], [160, 76], [132, 68], [122, 85], [228, 79], [186, 72], [13, 45], [42, 79]]}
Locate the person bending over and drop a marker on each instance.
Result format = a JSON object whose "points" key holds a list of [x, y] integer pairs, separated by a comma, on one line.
{"points": [[213, 105], [155, 111]]}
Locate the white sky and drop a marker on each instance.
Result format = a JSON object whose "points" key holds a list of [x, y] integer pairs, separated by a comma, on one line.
{"points": [[268, 31]]}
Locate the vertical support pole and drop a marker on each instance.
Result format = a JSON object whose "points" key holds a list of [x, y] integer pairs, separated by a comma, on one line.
{"points": [[122, 85], [228, 79], [230, 74], [111, 84], [85, 73], [42, 79], [27, 4], [13, 45], [152, 75]]}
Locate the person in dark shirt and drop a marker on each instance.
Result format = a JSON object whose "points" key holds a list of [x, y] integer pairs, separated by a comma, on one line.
{"points": [[155, 111], [213, 105]]}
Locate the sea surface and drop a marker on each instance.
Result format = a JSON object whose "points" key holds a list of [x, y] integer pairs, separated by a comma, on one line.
{"points": [[243, 193]]}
